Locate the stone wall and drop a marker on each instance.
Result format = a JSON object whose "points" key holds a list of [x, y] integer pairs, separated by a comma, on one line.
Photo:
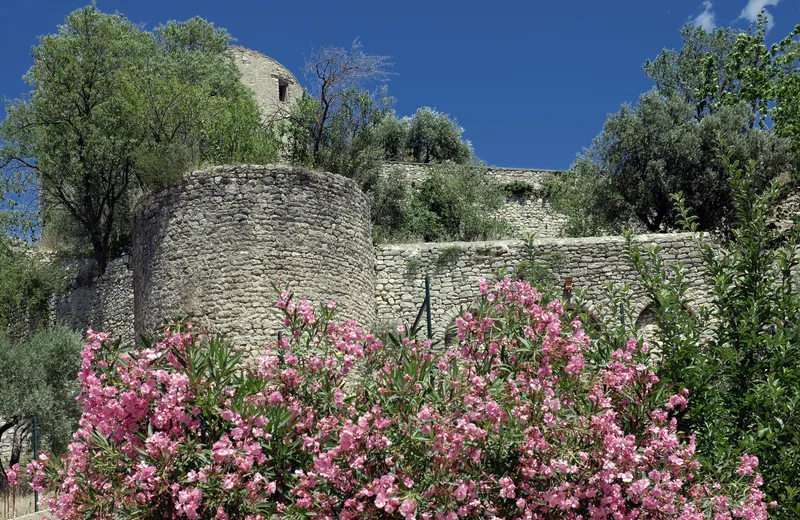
{"points": [[415, 173], [524, 214], [269, 80], [456, 267], [531, 215], [214, 244], [786, 209], [98, 302]]}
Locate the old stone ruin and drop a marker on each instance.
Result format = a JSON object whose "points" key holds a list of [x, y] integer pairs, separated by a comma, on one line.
{"points": [[216, 243]]}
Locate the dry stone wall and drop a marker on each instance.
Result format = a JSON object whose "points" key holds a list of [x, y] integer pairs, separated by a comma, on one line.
{"points": [[456, 267], [214, 244], [415, 173], [524, 214], [532, 215], [97, 302]]}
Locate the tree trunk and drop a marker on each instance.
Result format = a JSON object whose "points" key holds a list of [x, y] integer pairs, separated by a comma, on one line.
{"points": [[100, 253], [16, 444], [3, 477]]}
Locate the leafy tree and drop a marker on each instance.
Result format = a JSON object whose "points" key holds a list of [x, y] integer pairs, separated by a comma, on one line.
{"points": [[648, 151], [349, 143], [433, 137], [39, 378], [115, 108], [26, 284], [388, 202], [719, 68], [737, 355], [786, 88], [455, 203], [336, 75], [726, 67], [392, 135]]}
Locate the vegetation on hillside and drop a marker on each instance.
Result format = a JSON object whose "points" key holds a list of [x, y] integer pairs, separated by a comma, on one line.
{"points": [[725, 82]]}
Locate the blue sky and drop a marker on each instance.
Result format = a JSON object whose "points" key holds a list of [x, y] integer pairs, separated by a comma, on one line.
{"points": [[531, 82]]}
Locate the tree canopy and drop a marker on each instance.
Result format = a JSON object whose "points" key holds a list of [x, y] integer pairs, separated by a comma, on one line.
{"points": [[656, 148], [115, 110], [726, 84]]}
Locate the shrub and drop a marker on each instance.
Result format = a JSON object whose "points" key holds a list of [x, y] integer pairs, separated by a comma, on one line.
{"points": [[38, 378], [455, 203], [737, 354], [509, 423]]}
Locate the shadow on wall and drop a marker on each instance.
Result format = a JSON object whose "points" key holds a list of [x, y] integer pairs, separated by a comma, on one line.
{"points": [[103, 303]]}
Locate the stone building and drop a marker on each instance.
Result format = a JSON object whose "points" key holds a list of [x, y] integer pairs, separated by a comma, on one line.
{"points": [[275, 87]]}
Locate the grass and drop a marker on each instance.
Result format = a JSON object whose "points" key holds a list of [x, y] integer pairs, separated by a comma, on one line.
{"points": [[20, 505]]}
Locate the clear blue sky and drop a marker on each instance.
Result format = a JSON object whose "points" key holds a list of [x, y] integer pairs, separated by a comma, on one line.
{"points": [[530, 81]]}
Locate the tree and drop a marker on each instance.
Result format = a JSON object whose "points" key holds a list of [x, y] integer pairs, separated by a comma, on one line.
{"points": [[455, 203], [658, 147], [786, 88], [115, 108], [432, 136], [726, 67], [719, 68], [738, 354], [39, 378], [336, 74]]}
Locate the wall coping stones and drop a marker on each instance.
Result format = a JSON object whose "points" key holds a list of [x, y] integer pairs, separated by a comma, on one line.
{"points": [[487, 167], [612, 239]]}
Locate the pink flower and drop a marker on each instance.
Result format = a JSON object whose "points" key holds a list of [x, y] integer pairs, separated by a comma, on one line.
{"points": [[11, 473], [407, 509]]}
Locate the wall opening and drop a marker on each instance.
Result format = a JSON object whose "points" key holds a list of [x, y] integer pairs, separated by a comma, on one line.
{"points": [[283, 89]]}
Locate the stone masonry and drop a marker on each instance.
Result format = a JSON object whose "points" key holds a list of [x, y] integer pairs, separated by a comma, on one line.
{"points": [[524, 214], [455, 268], [98, 302], [214, 244], [275, 89]]}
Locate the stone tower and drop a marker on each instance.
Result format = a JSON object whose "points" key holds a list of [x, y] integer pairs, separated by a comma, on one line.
{"points": [[276, 89]]}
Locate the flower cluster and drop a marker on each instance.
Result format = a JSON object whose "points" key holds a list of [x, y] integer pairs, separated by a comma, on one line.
{"points": [[512, 422]]}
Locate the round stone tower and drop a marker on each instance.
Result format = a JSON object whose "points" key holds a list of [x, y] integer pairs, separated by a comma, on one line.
{"points": [[214, 244], [276, 89]]}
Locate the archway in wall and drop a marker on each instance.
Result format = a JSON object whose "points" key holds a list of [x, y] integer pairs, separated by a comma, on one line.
{"points": [[646, 324]]}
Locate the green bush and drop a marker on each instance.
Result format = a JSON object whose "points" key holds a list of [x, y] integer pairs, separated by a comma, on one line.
{"points": [[27, 282], [38, 378], [455, 203], [738, 355], [648, 151]]}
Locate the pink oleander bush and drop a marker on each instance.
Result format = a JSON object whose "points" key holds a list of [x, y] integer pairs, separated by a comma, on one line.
{"points": [[513, 421]]}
